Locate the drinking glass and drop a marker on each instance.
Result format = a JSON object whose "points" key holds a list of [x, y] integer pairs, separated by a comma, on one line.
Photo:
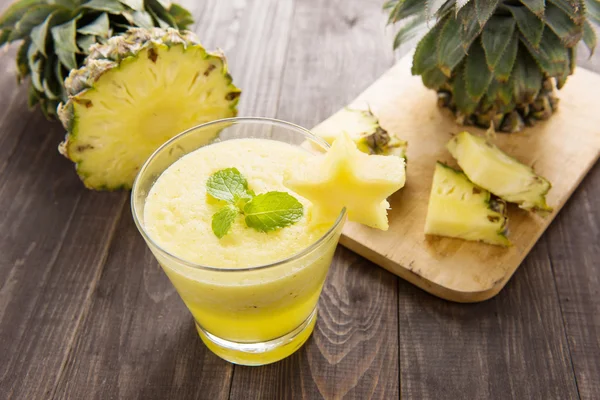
{"points": [[255, 314]]}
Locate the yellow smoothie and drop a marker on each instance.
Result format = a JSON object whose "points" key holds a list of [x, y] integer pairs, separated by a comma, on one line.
{"points": [[230, 300]]}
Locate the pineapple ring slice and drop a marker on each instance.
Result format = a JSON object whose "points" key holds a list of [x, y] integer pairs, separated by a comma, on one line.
{"points": [[138, 104]]}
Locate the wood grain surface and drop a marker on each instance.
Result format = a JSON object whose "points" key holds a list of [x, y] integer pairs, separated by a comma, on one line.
{"points": [[562, 150], [86, 313]]}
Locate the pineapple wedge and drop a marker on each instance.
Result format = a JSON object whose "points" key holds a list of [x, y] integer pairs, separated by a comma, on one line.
{"points": [[346, 177], [458, 208], [492, 169], [364, 129]]}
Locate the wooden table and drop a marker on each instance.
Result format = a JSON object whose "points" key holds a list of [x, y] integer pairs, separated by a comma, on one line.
{"points": [[86, 313]]}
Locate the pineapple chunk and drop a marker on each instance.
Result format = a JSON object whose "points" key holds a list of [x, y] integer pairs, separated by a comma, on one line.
{"points": [[460, 209], [492, 169], [364, 129], [346, 177]]}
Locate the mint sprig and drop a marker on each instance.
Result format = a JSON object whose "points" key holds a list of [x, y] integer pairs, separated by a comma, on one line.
{"points": [[229, 185], [264, 212], [272, 210]]}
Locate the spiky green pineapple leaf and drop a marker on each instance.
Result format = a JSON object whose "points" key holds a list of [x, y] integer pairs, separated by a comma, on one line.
{"points": [[161, 12], [139, 18], [491, 95], [535, 6], [469, 25], [495, 38], [563, 26], [34, 63], [551, 55], [110, 6], [444, 9], [477, 75], [65, 44], [162, 24], [410, 29], [505, 65], [39, 33], [425, 57], [404, 9], [463, 101], [573, 8], [504, 97], [592, 8], [572, 62], [136, 5], [450, 51], [60, 73], [460, 4], [22, 61], [526, 78], [589, 37], [15, 12], [182, 17], [4, 35], [85, 42], [485, 9], [33, 17], [434, 78], [52, 87], [33, 97], [98, 27], [529, 24], [36, 68]]}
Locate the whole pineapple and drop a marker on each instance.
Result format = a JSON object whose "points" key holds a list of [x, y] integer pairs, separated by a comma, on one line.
{"points": [[57, 35], [496, 61], [122, 80]]}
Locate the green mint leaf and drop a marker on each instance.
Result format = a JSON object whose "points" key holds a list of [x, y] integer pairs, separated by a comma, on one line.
{"points": [[230, 185], [272, 210], [223, 219]]}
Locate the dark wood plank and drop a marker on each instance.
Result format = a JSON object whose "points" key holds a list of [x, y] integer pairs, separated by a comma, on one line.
{"points": [[49, 256], [574, 250], [337, 49], [138, 340], [512, 346]]}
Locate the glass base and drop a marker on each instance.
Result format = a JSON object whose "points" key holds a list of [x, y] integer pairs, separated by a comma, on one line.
{"points": [[260, 353]]}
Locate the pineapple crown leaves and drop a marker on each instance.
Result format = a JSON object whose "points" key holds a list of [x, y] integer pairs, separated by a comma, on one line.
{"points": [[494, 54], [57, 36]]}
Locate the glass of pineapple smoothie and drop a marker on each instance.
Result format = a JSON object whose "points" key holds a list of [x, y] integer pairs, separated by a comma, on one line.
{"points": [[253, 294]]}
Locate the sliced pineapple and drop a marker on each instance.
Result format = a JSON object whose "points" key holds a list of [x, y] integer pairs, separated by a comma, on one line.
{"points": [[133, 94], [346, 177], [458, 208], [492, 169], [364, 129]]}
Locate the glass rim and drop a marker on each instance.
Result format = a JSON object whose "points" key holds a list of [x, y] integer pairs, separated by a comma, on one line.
{"points": [[265, 120]]}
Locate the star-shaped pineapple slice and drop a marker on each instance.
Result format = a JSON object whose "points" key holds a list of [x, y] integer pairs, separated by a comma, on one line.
{"points": [[347, 177]]}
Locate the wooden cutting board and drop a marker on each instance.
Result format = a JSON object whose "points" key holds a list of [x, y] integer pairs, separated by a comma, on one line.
{"points": [[562, 149]]}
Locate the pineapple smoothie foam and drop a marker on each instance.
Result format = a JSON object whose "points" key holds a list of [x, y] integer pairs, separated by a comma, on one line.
{"points": [[241, 304], [178, 209]]}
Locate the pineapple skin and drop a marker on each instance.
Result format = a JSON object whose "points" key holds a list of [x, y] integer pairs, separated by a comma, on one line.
{"points": [[113, 166], [460, 209], [492, 169]]}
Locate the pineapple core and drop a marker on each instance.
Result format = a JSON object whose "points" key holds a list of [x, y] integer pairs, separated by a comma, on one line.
{"points": [[347, 177]]}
